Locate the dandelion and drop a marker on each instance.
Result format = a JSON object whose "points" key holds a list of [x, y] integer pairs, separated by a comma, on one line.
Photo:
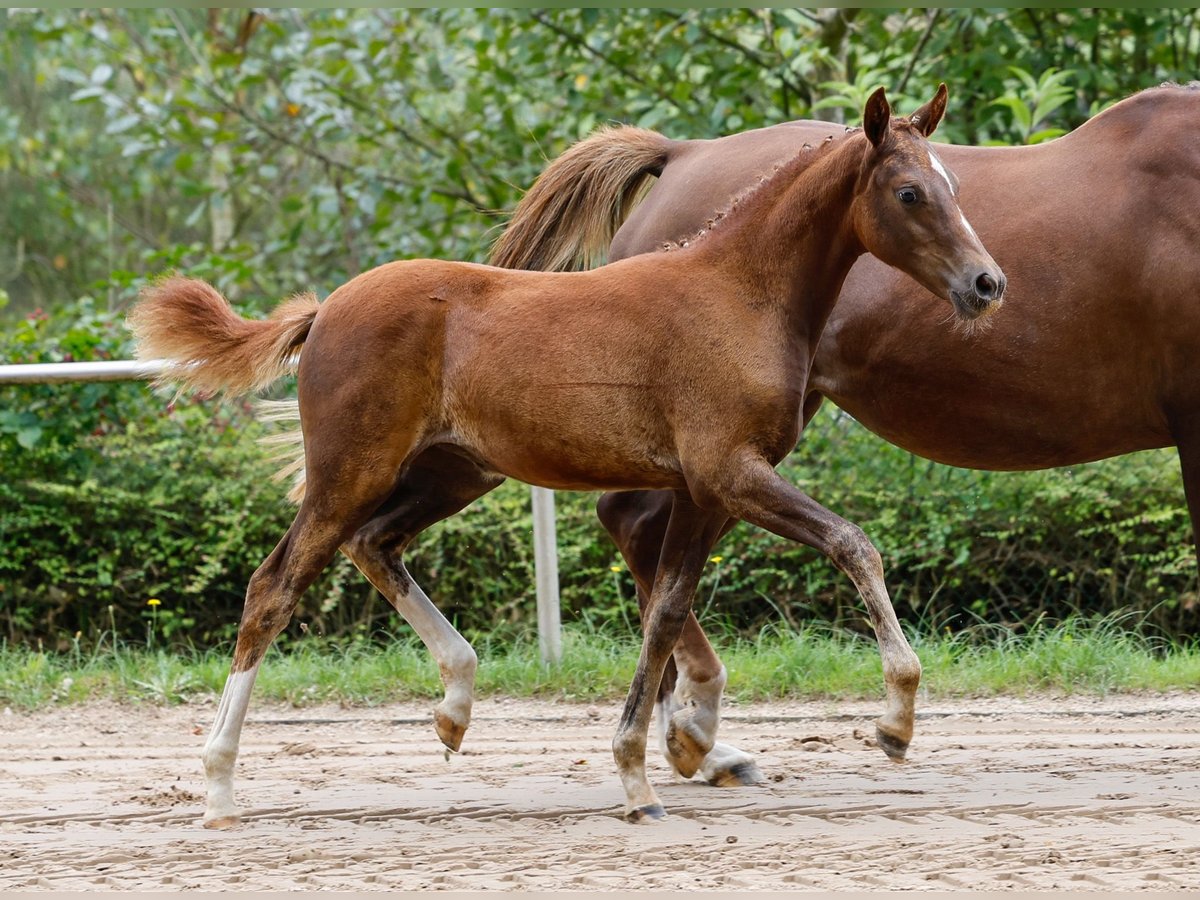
{"points": [[154, 603]]}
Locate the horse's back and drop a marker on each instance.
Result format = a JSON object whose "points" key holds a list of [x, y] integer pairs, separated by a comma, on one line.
{"points": [[702, 177], [1099, 234]]}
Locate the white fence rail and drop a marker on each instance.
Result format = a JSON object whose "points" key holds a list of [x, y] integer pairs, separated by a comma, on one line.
{"points": [[545, 554], [59, 373]]}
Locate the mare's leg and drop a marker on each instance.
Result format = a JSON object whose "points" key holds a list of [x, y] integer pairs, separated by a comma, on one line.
{"points": [[751, 489], [690, 534], [689, 699], [436, 485], [1187, 438], [271, 597]]}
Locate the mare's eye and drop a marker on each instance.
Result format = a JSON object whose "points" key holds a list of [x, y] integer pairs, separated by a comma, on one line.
{"points": [[908, 196]]}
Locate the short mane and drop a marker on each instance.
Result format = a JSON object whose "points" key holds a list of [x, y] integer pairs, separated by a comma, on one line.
{"points": [[789, 169]]}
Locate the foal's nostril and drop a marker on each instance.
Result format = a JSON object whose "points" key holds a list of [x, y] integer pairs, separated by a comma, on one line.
{"points": [[986, 286]]}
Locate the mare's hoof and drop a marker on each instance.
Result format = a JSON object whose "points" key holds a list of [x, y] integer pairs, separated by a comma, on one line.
{"points": [[450, 732], [894, 747], [743, 774], [643, 815], [222, 822]]}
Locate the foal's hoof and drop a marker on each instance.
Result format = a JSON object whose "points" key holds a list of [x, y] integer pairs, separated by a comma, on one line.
{"points": [[894, 746], [684, 751], [744, 774], [643, 815], [222, 822], [450, 732]]}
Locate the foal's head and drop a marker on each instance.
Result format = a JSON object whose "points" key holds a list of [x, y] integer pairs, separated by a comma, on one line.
{"points": [[906, 211]]}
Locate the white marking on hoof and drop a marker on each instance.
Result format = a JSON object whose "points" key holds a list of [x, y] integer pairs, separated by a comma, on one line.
{"points": [[221, 749], [689, 732], [452, 716]]}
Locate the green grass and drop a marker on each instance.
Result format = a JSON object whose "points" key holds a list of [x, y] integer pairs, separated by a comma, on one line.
{"points": [[1077, 656]]}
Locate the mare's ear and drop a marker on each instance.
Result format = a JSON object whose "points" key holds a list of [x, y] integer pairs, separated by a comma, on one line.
{"points": [[926, 119], [876, 116]]}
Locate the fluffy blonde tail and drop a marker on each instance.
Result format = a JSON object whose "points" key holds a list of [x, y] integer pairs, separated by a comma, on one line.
{"points": [[568, 218], [209, 346]]}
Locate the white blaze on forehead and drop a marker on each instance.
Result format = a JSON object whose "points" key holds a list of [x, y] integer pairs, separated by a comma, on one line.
{"points": [[940, 169], [967, 225]]}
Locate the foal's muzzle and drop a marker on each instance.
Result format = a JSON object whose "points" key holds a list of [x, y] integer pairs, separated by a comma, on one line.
{"points": [[982, 297]]}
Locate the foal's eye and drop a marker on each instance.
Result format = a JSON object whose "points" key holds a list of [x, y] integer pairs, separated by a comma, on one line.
{"points": [[907, 196]]}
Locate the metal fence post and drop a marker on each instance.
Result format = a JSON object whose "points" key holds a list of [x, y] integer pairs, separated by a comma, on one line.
{"points": [[545, 561]]}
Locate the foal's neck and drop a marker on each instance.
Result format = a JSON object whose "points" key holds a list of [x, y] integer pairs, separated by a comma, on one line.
{"points": [[791, 241]]}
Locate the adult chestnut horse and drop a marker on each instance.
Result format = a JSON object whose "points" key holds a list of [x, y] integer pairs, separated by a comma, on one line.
{"points": [[1095, 355], [423, 383]]}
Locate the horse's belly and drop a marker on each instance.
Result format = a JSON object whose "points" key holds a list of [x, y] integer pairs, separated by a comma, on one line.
{"points": [[989, 427], [591, 442]]}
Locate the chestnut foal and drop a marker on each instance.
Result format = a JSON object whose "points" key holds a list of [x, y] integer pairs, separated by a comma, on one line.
{"points": [[422, 384]]}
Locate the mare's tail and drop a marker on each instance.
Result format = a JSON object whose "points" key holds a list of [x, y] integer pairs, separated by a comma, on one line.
{"points": [[208, 345], [568, 218]]}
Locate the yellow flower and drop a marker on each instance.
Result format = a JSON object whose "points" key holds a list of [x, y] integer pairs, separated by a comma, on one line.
{"points": [[154, 601], [615, 568], [716, 559]]}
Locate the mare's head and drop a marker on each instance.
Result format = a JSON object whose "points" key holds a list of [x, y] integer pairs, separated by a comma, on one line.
{"points": [[906, 210]]}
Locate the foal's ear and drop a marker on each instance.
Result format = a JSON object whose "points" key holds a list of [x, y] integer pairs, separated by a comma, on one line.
{"points": [[926, 119], [876, 116]]}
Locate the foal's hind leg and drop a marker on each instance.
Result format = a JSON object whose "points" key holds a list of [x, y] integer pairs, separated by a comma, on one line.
{"points": [[689, 698], [435, 486], [271, 597], [749, 488]]}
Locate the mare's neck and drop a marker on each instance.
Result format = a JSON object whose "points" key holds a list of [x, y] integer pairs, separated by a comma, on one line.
{"points": [[791, 242]]}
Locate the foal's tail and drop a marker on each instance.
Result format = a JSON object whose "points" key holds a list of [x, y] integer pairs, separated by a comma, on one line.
{"points": [[568, 218], [209, 346]]}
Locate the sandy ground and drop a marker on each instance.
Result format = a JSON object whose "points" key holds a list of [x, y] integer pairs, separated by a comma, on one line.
{"points": [[1066, 793]]}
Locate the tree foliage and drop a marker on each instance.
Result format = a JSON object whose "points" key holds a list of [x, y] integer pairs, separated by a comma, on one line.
{"points": [[275, 150]]}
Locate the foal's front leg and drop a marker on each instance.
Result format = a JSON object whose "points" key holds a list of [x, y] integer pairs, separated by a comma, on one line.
{"points": [[690, 534], [689, 698], [752, 490]]}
